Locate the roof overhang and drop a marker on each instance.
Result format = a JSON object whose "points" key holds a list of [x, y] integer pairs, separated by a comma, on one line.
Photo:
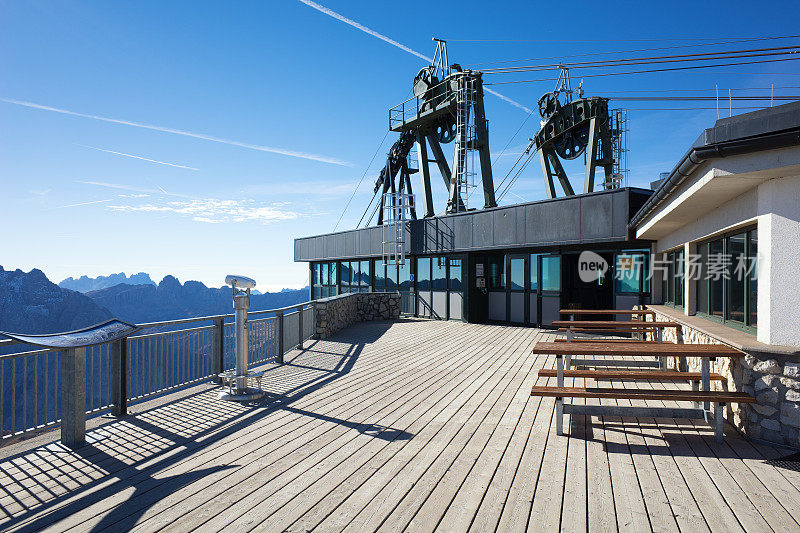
{"points": [[715, 183]]}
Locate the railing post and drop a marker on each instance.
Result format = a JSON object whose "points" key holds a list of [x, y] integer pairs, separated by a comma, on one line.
{"points": [[300, 328], [279, 335], [73, 397], [218, 348], [118, 350]]}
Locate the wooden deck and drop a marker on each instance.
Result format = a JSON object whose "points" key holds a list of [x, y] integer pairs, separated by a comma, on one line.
{"points": [[415, 425]]}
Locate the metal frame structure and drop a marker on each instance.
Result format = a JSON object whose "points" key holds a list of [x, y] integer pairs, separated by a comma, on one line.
{"points": [[440, 112]]}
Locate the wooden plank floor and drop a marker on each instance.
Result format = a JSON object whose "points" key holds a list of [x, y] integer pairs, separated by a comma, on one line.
{"points": [[410, 425]]}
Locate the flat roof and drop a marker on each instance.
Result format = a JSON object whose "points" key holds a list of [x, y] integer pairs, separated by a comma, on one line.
{"points": [[598, 217]]}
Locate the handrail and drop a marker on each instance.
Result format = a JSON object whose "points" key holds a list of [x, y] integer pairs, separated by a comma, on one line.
{"points": [[178, 321]]}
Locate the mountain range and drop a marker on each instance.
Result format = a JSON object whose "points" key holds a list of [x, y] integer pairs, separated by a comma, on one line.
{"points": [[86, 284], [31, 303]]}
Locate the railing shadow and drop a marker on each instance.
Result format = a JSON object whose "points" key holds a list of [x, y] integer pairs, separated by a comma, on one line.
{"points": [[135, 449]]}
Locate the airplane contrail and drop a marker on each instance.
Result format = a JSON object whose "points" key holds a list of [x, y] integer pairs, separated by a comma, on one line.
{"points": [[83, 203], [271, 149], [138, 157], [354, 24]]}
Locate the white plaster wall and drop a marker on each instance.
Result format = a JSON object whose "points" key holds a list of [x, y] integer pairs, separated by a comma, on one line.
{"points": [[740, 211], [779, 269]]}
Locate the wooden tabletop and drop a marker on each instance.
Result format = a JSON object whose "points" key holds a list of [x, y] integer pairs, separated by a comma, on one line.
{"points": [[607, 312], [611, 323], [636, 348]]}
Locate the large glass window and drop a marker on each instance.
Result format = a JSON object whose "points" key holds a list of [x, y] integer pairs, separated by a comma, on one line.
{"points": [[324, 284], [497, 272], [455, 275], [516, 279], [439, 273], [551, 273], [631, 273], [364, 271], [380, 276], [404, 276], [727, 288], [391, 277], [534, 272], [424, 274], [672, 283], [752, 289], [737, 245]]}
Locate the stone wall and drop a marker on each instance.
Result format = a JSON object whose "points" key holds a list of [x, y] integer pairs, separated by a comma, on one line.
{"points": [[338, 312], [772, 378]]}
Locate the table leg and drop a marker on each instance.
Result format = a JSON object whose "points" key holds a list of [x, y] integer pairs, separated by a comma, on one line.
{"points": [[559, 401], [706, 374]]}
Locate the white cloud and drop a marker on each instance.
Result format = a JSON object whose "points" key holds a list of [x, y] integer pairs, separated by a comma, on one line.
{"points": [[212, 210], [282, 151]]}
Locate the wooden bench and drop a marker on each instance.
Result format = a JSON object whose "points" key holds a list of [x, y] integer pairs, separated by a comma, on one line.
{"points": [[718, 398]]}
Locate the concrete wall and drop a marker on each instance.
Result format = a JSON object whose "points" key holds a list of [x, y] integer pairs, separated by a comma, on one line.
{"points": [[338, 312]]}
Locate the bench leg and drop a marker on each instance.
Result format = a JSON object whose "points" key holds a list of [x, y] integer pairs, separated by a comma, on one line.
{"points": [[696, 387], [559, 416], [662, 362], [719, 421]]}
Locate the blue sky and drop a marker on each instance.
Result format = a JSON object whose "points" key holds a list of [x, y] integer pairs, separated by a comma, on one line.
{"points": [[250, 123]]}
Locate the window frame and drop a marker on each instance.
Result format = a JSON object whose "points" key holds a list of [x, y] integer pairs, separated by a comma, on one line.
{"points": [[748, 232]]}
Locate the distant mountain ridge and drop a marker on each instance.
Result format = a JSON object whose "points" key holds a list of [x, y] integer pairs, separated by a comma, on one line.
{"points": [[86, 284], [31, 303], [171, 299]]}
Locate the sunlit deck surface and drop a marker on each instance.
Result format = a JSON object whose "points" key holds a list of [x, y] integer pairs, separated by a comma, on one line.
{"points": [[416, 425]]}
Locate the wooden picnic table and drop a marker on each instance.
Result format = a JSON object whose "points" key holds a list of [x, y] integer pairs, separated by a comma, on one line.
{"points": [[568, 350], [613, 324], [634, 348]]}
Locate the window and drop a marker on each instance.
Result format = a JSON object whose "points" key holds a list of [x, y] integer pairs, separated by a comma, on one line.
{"points": [[424, 274], [404, 276], [727, 288], [534, 272], [323, 276], [439, 273], [364, 279], [391, 277], [551, 273], [672, 283], [631, 273], [516, 278], [455, 275], [380, 276], [497, 272]]}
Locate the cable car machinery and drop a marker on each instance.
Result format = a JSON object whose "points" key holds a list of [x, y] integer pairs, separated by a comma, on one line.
{"points": [[447, 106]]}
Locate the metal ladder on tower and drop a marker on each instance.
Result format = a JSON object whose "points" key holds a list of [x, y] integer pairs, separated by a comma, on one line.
{"points": [[466, 139]]}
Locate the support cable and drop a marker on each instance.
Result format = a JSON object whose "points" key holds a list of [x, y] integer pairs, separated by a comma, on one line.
{"points": [[361, 180]]}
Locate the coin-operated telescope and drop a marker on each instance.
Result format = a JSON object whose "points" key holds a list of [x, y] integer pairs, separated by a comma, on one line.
{"points": [[237, 378]]}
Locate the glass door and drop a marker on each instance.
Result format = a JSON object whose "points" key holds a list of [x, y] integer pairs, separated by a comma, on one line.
{"points": [[550, 288], [517, 274]]}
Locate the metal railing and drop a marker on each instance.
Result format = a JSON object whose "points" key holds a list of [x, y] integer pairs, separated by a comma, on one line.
{"points": [[163, 357], [441, 95]]}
